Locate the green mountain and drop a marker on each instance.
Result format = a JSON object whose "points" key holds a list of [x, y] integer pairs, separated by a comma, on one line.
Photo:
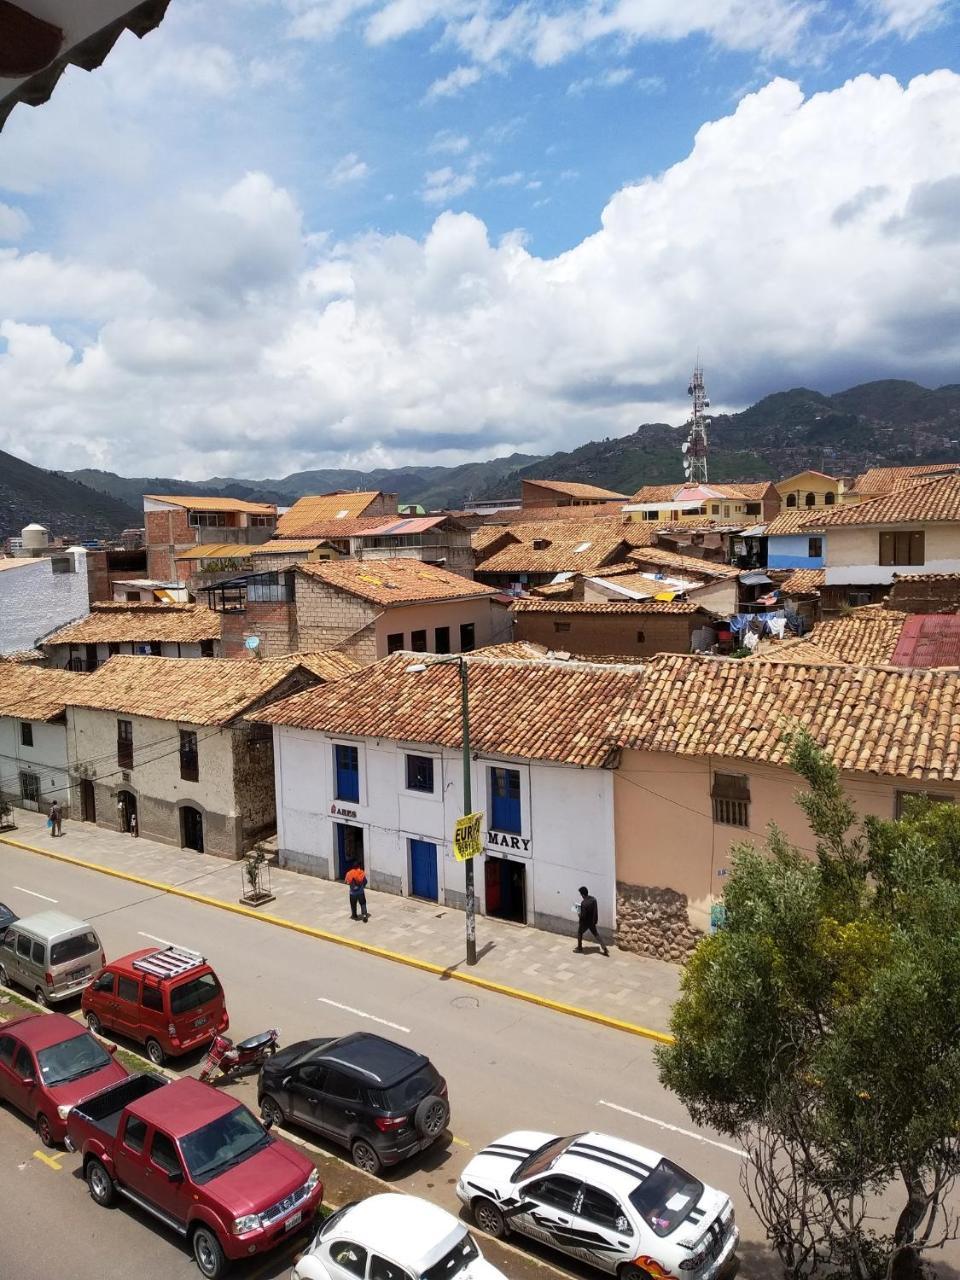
{"points": [[29, 495], [885, 423]]}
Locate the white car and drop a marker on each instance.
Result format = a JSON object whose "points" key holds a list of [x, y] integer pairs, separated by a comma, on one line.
{"points": [[393, 1237], [618, 1206]]}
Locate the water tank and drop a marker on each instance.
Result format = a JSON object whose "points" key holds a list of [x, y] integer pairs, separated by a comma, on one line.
{"points": [[35, 537]]}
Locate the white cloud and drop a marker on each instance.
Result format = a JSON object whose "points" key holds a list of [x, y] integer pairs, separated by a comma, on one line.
{"points": [[449, 86], [614, 78], [906, 18], [14, 223], [507, 179], [446, 142], [442, 185], [808, 242], [349, 168]]}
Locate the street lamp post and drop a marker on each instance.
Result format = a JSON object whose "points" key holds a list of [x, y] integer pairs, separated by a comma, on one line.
{"points": [[469, 884]]}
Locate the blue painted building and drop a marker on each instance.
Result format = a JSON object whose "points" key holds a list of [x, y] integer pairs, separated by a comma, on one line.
{"points": [[795, 551]]}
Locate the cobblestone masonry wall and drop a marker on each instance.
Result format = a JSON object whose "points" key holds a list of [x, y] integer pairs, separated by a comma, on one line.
{"points": [[654, 922]]}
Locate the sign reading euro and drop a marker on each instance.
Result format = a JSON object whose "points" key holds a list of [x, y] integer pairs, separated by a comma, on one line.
{"points": [[466, 837]]}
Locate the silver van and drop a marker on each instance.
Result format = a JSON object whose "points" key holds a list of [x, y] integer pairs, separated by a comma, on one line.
{"points": [[51, 955]]}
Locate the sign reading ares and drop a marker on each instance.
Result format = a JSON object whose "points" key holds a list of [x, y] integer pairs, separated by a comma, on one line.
{"points": [[508, 842]]}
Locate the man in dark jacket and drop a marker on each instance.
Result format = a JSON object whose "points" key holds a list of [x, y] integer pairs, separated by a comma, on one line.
{"points": [[357, 884], [589, 915]]}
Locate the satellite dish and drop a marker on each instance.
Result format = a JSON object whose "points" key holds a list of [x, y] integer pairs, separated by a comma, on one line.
{"points": [[685, 446], [252, 642]]}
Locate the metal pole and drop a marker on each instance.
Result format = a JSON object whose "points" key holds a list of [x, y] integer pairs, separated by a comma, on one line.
{"points": [[471, 904]]}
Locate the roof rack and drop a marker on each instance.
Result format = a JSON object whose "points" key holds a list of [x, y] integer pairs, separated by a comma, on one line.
{"points": [[169, 962]]}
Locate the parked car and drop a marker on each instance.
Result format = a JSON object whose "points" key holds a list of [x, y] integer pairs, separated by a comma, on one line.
{"points": [[620, 1207], [7, 916], [394, 1237], [381, 1100], [199, 1161], [48, 1063], [50, 954], [169, 1000]]}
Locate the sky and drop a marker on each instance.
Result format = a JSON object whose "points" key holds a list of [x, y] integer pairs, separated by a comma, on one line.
{"points": [[283, 234]]}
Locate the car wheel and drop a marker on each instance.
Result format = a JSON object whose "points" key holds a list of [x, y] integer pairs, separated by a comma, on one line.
{"points": [[43, 1130], [431, 1116], [365, 1157], [94, 1024], [4, 980], [489, 1218], [100, 1184], [630, 1271], [41, 997], [271, 1110], [208, 1253], [155, 1052]]}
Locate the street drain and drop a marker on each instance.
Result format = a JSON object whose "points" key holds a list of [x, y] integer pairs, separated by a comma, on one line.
{"points": [[465, 1002]]}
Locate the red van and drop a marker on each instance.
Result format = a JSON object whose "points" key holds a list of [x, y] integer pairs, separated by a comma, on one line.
{"points": [[169, 1000]]}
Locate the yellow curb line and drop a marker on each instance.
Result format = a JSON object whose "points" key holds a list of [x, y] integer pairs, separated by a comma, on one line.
{"points": [[366, 948], [52, 1161]]}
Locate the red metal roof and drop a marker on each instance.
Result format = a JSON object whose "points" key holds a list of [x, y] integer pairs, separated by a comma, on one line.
{"points": [[929, 640], [411, 524]]}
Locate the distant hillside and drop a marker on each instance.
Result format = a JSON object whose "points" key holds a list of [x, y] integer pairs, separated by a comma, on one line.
{"points": [[877, 424], [29, 494]]}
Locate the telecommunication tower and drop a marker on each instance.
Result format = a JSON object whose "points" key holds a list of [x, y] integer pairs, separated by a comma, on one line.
{"points": [[695, 445]]}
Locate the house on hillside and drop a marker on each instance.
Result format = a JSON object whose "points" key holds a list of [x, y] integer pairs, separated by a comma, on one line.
{"points": [[530, 555], [177, 523], [163, 630], [370, 770], [537, 494], [41, 592], [162, 747], [34, 767], [809, 489]]}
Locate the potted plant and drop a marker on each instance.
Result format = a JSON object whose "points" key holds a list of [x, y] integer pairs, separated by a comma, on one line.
{"points": [[256, 879]]}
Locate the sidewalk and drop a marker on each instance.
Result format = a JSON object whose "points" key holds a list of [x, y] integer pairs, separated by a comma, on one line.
{"points": [[627, 987]]}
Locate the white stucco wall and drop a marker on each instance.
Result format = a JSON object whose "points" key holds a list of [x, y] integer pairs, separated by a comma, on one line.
{"points": [[34, 600], [566, 819], [47, 758], [59, 654], [853, 555]]}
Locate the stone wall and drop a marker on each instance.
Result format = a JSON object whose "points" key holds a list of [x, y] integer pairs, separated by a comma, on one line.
{"points": [[925, 593], [325, 616], [654, 922]]}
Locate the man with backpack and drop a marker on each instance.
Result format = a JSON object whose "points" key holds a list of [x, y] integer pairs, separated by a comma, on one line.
{"points": [[356, 881]]}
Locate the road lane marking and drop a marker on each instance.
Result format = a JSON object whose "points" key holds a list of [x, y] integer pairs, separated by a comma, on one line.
{"points": [[52, 1161], [33, 894], [360, 1014], [687, 1133], [153, 938], [448, 973]]}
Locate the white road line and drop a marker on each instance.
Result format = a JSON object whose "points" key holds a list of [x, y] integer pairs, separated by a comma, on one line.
{"points": [[687, 1133], [35, 895], [153, 938], [360, 1014]]}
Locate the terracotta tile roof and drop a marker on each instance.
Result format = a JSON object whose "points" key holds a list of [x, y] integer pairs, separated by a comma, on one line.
{"points": [[686, 566], [751, 491], [557, 590], [37, 693], [568, 549], [572, 489], [792, 520], [884, 479], [544, 710], [488, 535], [803, 580], [395, 581], [866, 636], [286, 546], [196, 502], [326, 664], [119, 622], [805, 651], [525, 650], [535, 514], [870, 719], [927, 577], [213, 691], [929, 501], [217, 551], [534, 604], [311, 517]]}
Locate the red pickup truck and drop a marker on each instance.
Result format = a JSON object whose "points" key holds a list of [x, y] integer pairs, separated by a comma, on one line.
{"points": [[199, 1161]]}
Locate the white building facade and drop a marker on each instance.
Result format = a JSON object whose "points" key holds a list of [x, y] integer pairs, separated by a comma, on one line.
{"points": [[34, 769], [392, 806], [38, 595]]}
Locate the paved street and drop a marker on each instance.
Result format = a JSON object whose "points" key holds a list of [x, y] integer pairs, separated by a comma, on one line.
{"points": [[509, 1064]]}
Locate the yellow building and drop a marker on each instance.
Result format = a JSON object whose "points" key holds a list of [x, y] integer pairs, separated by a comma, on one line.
{"points": [[810, 489]]}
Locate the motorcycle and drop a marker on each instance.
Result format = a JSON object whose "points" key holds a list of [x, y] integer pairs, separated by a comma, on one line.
{"points": [[228, 1059]]}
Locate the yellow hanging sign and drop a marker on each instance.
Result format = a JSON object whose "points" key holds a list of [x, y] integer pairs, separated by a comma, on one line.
{"points": [[467, 842]]}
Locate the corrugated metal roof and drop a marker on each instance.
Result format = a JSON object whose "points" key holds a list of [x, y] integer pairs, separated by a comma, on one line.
{"points": [[409, 524], [217, 551], [929, 640]]}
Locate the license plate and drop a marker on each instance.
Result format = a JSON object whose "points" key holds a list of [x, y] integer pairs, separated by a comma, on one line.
{"points": [[200, 1022], [76, 974], [293, 1221]]}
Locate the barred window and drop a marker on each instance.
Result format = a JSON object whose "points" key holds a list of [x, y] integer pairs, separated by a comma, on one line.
{"points": [[731, 799]]}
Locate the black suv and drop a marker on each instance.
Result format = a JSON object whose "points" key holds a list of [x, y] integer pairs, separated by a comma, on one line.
{"points": [[380, 1099]]}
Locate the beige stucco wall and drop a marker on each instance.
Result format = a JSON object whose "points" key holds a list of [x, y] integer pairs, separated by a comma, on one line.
{"points": [[490, 620], [666, 836], [859, 545], [808, 482], [720, 596], [155, 777]]}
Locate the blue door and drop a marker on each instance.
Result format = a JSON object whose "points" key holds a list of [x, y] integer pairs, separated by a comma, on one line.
{"points": [[423, 870], [505, 800], [347, 771]]}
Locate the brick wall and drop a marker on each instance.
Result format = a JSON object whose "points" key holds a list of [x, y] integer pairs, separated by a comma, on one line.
{"points": [[935, 595], [275, 623], [326, 617], [166, 533], [597, 634]]}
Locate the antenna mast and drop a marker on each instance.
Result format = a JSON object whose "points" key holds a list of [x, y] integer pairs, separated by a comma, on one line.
{"points": [[695, 445]]}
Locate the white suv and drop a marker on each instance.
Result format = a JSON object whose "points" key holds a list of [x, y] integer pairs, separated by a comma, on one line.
{"points": [[618, 1206]]}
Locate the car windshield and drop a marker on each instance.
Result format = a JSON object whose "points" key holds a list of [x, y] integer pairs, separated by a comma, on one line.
{"points": [[452, 1263], [540, 1160], [666, 1197], [192, 994], [67, 949], [407, 1093], [79, 1056], [222, 1143]]}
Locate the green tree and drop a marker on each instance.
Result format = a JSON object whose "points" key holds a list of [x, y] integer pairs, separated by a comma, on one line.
{"points": [[819, 1028]]}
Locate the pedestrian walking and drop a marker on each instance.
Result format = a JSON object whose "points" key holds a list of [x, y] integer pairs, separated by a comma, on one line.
{"points": [[56, 819], [356, 881], [134, 829], [589, 914]]}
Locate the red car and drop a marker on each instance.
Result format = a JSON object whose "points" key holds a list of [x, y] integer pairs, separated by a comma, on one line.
{"points": [[48, 1063], [199, 1161]]}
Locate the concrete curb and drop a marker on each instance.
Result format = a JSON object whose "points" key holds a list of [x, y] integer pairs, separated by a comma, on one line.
{"points": [[322, 935]]}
